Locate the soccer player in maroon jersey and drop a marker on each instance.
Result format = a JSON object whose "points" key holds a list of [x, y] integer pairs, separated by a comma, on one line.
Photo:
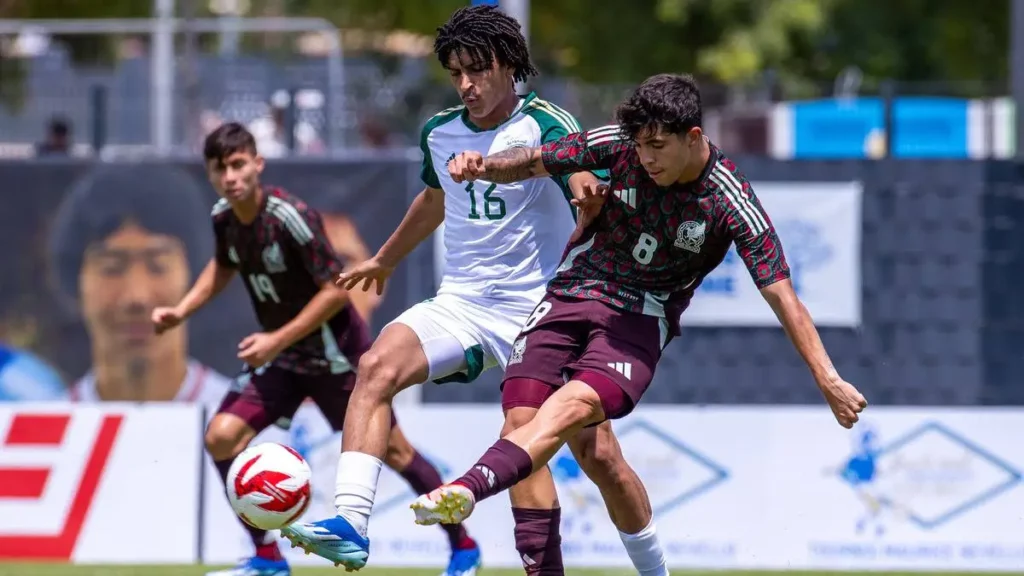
{"points": [[588, 353], [312, 339]]}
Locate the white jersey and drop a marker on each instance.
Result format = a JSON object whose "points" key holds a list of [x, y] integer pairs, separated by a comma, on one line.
{"points": [[202, 385], [502, 241]]}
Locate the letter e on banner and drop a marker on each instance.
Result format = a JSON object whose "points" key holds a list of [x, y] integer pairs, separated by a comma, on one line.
{"points": [[51, 464]]}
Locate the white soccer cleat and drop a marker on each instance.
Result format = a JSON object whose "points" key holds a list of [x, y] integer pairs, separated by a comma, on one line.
{"points": [[449, 504]]}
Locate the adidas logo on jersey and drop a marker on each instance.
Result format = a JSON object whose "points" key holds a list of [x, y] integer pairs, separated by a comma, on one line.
{"points": [[624, 368], [449, 160], [628, 196]]}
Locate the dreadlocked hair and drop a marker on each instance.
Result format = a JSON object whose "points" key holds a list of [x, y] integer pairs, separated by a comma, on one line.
{"points": [[485, 33]]}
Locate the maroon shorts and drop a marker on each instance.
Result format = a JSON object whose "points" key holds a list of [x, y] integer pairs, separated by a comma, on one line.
{"points": [[613, 351], [269, 395]]}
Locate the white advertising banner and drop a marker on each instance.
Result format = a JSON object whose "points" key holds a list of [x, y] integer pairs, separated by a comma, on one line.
{"points": [[749, 488], [819, 224], [77, 481], [738, 488]]}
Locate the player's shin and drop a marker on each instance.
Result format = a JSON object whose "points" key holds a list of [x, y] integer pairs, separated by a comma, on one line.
{"points": [[537, 518], [538, 541], [356, 487], [501, 467], [368, 422]]}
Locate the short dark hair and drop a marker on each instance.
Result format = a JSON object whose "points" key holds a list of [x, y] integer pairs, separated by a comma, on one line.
{"points": [[159, 198], [228, 139], [485, 33], [668, 101]]}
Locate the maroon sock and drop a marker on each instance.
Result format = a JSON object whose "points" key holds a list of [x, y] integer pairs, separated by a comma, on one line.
{"points": [[423, 478], [538, 540], [500, 468], [266, 547]]}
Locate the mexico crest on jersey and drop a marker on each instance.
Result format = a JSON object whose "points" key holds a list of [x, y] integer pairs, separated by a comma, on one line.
{"points": [[690, 235], [517, 351], [273, 259]]}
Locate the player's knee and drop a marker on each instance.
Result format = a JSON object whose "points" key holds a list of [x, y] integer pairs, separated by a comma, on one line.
{"points": [[227, 437], [378, 375], [577, 405], [600, 457], [516, 418]]}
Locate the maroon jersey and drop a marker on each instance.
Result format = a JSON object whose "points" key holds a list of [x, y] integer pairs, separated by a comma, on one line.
{"points": [[284, 258], [651, 247]]}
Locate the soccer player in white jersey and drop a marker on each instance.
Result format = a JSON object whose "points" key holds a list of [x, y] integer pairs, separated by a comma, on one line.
{"points": [[503, 244]]}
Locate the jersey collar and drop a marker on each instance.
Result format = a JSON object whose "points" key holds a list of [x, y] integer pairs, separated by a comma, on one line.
{"points": [[523, 101]]}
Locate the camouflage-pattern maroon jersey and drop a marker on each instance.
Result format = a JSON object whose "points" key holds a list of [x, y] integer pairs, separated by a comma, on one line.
{"points": [[651, 247], [284, 258]]}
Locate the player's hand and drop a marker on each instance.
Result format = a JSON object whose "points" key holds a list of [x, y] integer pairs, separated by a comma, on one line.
{"points": [[466, 167], [165, 318], [588, 200], [368, 272], [846, 402], [259, 349]]}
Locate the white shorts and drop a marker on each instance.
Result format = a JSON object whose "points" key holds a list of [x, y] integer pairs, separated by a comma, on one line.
{"points": [[462, 337]]}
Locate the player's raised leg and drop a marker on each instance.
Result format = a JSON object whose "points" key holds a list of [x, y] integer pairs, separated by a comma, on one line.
{"points": [[598, 390], [263, 397]]}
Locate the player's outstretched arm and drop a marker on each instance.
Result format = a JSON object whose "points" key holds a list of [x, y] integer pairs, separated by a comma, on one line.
{"points": [[425, 214], [507, 166], [595, 149], [844, 399], [212, 281], [759, 246]]}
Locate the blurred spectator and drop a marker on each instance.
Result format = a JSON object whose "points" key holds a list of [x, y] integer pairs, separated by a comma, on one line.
{"points": [[125, 240], [269, 132], [58, 139], [375, 134]]}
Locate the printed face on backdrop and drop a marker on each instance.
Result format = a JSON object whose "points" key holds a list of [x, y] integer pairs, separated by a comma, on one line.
{"points": [[124, 277]]}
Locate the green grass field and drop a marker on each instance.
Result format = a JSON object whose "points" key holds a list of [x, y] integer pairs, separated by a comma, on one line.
{"points": [[64, 570]]}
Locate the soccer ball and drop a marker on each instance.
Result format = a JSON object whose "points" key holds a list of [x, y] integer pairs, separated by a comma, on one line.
{"points": [[268, 486]]}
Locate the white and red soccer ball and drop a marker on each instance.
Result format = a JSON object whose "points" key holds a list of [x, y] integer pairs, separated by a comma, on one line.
{"points": [[269, 486]]}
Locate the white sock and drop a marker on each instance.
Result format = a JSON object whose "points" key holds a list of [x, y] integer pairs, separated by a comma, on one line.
{"points": [[645, 551], [356, 487]]}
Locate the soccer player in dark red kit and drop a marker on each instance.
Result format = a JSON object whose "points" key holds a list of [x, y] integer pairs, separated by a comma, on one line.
{"points": [[675, 205], [312, 339]]}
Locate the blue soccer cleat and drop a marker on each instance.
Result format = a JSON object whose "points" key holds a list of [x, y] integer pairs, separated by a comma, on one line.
{"points": [[464, 562], [334, 539], [256, 566]]}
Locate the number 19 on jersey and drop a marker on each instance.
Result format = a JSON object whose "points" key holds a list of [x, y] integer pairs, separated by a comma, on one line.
{"points": [[263, 288]]}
